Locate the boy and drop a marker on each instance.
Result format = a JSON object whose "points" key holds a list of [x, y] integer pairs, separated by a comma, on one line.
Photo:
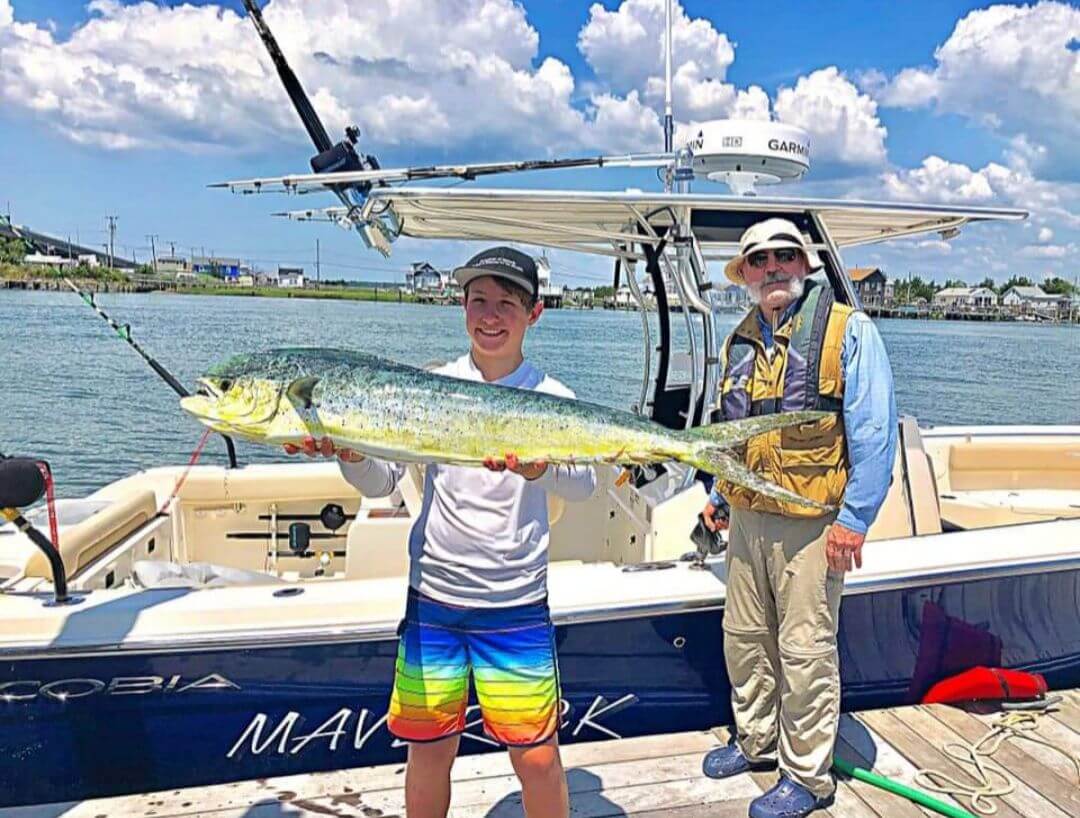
{"points": [[478, 571]]}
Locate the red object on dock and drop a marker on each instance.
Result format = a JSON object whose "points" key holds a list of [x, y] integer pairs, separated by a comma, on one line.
{"points": [[987, 683]]}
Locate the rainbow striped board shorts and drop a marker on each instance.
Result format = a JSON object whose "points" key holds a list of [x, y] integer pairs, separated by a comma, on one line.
{"points": [[510, 653]]}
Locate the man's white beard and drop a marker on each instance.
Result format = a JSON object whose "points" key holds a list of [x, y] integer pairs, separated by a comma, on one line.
{"points": [[796, 285]]}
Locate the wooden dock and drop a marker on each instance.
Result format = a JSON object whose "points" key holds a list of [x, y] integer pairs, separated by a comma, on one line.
{"points": [[653, 777]]}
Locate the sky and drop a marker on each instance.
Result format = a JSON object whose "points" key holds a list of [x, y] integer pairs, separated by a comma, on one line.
{"points": [[132, 109]]}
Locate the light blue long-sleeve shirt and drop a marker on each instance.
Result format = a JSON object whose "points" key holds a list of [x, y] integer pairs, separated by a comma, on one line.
{"points": [[870, 419]]}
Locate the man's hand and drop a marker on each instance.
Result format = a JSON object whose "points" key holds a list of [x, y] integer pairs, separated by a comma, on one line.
{"points": [[712, 522], [324, 448], [841, 545], [530, 471]]}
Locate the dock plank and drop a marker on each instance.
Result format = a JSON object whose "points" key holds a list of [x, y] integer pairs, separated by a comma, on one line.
{"points": [[1046, 772], [918, 744], [882, 758], [1068, 711], [1024, 800]]}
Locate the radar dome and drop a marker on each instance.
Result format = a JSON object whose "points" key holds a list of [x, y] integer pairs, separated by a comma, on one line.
{"points": [[745, 153]]}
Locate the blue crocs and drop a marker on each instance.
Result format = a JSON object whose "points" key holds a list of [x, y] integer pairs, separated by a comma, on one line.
{"points": [[727, 761], [787, 800]]}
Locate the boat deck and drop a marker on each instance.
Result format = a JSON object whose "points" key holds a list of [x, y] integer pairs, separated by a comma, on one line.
{"points": [[652, 777]]}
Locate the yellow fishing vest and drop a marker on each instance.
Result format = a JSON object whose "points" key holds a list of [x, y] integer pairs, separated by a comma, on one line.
{"points": [[805, 372]]}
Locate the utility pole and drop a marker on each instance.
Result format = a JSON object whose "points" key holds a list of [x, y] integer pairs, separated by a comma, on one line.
{"points": [[112, 237], [318, 270], [153, 251]]}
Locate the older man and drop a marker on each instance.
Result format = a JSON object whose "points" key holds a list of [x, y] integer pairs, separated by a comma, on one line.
{"points": [[797, 349]]}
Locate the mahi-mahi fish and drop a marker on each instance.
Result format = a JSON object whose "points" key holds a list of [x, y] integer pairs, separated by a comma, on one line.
{"points": [[396, 412]]}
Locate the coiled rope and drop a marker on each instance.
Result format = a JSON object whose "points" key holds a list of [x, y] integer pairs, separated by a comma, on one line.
{"points": [[990, 779]]}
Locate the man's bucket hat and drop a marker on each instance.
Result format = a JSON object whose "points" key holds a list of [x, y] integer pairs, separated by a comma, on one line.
{"points": [[771, 234]]}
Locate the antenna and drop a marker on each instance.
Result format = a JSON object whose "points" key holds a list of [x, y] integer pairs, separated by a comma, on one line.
{"points": [[669, 122]]}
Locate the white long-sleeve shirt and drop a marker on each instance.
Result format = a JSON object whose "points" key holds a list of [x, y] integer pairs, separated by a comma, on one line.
{"points": [[481, 539]]}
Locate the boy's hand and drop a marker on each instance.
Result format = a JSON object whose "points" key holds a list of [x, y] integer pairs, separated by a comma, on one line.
{"points": [[530, 471], [325, 448]]}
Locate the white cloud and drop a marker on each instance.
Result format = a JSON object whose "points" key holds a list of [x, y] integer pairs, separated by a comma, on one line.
{"points": [[1049, 251], [625, 47], [999, 249], [432, 75], [842, 122], [1013, 69]]}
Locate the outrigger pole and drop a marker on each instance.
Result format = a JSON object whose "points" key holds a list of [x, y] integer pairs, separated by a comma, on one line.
{"points": [[124, 333]]}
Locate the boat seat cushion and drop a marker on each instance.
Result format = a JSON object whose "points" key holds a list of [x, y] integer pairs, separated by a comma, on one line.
{"points": [[158, 574]]}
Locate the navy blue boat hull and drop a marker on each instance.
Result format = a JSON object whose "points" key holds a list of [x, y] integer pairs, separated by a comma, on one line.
{"points": [[112, 723]]}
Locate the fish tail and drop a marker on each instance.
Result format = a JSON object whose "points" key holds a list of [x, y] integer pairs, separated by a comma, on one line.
{"points": [[735, 432], [719, 463]]}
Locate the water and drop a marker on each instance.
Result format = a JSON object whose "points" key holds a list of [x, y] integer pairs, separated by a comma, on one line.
{"points": [[72, 393]]}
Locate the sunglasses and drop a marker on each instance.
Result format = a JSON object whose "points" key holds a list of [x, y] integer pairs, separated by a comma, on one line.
{"points": [[785, 255]]}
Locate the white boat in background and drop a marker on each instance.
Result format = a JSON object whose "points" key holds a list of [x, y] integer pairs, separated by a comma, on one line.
{"points": [[236, 623]]}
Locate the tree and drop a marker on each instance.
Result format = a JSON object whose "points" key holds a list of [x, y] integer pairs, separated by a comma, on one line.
{"points": [[989, 284], [1058, 286], [1017, 281], [954, 282], [13, 250], [600, 293]]}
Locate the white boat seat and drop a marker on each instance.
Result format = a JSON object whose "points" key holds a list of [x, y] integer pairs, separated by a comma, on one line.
{"points": [[911, 504], [159, 574]]}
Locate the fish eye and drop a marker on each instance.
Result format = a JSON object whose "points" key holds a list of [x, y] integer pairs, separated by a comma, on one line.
{"points": [[226, 384]]}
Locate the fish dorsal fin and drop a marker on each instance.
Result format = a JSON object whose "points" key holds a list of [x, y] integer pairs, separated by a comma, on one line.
{"points": [[300, 391]]}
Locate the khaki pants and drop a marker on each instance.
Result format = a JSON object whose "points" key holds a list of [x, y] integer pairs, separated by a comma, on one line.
{"points": [[780, 621]]}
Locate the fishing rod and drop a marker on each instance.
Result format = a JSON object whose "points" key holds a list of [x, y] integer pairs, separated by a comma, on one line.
{"points": [[124, 333]]}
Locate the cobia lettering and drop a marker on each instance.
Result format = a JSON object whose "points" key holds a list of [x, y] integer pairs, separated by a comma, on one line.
{"points": [[62, 690]]}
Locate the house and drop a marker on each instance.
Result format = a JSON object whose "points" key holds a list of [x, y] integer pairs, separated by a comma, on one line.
{"points": [[1033, 299], [265, 279], [216, 266], [292, 277], [89, 260], [423, 278], [245, 280], [870, 283], [172, 265], [966, 298], [552, 296], [42, 260], [623, 298], [732, 297]]}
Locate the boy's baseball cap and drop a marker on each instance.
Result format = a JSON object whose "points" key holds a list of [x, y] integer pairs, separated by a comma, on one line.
{"points": [[501, 262]]}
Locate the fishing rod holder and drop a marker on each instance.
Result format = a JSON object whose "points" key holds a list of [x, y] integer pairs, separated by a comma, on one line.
{"points": [[23, 483]]}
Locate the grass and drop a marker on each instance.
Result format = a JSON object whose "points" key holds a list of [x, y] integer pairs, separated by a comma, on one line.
{"points": [[336, 293], [25, 272]]}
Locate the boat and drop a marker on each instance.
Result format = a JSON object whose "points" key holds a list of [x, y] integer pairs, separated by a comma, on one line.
{"points": [[202, 624]]}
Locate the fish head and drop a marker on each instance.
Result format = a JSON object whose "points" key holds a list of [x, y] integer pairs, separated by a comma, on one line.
{"points": [[252, 402]]}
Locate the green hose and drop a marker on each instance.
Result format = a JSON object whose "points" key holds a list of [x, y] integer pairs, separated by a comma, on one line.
{"points": [[912, 794]]}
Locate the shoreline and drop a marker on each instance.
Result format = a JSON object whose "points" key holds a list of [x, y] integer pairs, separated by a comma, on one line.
{"points": [[394, 294]]}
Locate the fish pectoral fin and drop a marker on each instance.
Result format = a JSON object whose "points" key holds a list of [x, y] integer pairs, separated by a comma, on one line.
{"points": [[300, 391]]}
